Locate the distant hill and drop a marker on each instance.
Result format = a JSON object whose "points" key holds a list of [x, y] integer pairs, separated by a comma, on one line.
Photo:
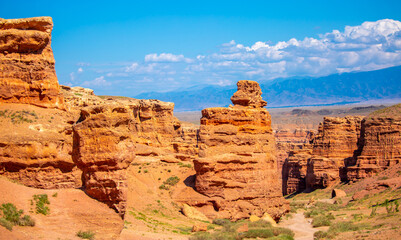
{"points": [[332, 89]]}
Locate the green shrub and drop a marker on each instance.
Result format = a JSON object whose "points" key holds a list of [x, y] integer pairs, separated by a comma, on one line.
{"points": [[11, 216], [7, 224], [319, 235], [171, 181], [221, 221], [321, 220], [41, 203], [26, 221], [11, 213], [86, 235], [201, 236], [282, 237], [184, 165], [312, 212], [283, 231], [257, 232]]}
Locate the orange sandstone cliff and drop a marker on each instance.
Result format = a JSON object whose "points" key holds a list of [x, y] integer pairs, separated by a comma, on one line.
{"points": [[379, 144], [108, 137], [236, 167], [27, 73]]}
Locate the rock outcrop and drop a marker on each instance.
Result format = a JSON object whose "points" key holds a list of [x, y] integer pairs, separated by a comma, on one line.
{"points": [[108, 137], [334, 146], [295, 168], [35, 150], [27, 73], [288, 143], [379, 147], [324, 162], [236, 167]]}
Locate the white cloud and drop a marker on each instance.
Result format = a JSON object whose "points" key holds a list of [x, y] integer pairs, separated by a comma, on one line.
{"points": [[97, 82], [369, 46], [165, 57], [80, 70]]}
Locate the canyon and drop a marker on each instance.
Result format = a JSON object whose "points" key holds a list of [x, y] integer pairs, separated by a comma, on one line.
{"points": [[233, 166]]}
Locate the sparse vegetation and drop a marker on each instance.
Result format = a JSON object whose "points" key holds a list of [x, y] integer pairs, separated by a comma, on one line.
{"points": [[340, 227], [188, 165], [259, 229], [11, 216], [171, 181], [86, 235], [19, 116], [42, 202]]}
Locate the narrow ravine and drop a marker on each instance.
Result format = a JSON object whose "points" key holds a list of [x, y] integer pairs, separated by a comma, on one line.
{"points": [[300, 226]]}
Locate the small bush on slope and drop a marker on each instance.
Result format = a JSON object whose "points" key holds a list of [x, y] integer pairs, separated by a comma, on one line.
{"points": [[11, 216]]}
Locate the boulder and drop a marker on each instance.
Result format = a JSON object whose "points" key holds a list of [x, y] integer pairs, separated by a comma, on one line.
{"points": [[199, 227], [193, 213], [338, 193]]}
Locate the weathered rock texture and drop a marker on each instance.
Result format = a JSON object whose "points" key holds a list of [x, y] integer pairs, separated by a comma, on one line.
{"points": [[289, 142], [27, 73], [334, 146], [380, 147], [237, 168], [295, 168], [109, 137], [36, 151]]}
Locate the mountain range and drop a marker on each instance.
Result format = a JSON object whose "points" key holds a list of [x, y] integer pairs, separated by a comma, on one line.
{"points": [[328, 90]]}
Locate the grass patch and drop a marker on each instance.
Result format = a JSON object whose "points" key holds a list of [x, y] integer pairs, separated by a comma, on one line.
{"points": [[185, 165], [11, 216], [86, 235], [42, 202], [258, 229], [171, 181], [339, 227], [19, 116]]}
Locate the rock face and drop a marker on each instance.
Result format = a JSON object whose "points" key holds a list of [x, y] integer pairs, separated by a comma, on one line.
{"points": [[36, 148], [27, 64], [380, 147], [236, 167], [337, 137], [334, 146], [288, 143], [295, 168], [324, 162], [109, 137]]}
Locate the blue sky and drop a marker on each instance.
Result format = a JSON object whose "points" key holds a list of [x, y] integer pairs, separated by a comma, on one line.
{"points": [[129, 47]]}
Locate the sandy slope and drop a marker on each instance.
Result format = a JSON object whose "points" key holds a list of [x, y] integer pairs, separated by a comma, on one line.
{"points": [[70, 211]]}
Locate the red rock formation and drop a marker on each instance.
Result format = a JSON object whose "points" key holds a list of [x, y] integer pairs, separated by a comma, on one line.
{"points": [[27, 64], [35, 150], [334, 146], [295, 169], [380, 147], [337, 137], [288, 141], [237, 165], [186, 145], [108, 137]]}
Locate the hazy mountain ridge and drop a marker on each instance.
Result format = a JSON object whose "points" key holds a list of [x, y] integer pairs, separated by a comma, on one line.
{"points": [[337, 88]]}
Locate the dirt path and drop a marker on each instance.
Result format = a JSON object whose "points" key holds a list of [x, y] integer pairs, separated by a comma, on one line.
{"points": [[300, 225]]}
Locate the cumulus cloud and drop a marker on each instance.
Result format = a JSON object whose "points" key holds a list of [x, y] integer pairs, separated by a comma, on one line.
{"points": [[166, 57], [369, 46], [97, 82]]}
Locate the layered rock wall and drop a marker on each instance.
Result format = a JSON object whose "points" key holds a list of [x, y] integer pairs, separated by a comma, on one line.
{"points": [[380, 147], [109, 137], [236, 167], [27, 73]]}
